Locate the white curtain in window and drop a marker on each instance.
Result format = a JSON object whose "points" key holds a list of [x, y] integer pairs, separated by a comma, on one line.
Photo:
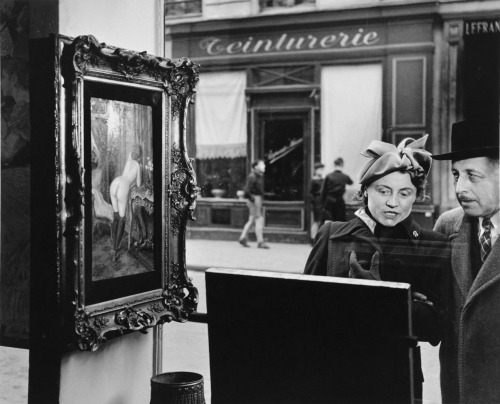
{"points": [[221, 117], [351, 115]]}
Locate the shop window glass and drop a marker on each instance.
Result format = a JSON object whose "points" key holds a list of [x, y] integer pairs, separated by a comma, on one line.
{"points": [[283, 3], [282, 76], [227, 174], [409, 91], [175, 8]]}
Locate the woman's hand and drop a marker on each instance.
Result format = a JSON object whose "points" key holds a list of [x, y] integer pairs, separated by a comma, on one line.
{"points": [[357, 272], [419, 297]]}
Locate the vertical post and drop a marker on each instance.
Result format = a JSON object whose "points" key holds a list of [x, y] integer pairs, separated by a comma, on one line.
{"points": [[157, 349]]}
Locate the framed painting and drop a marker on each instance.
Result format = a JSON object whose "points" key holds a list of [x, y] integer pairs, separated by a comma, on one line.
{"points": [[125, 187]]}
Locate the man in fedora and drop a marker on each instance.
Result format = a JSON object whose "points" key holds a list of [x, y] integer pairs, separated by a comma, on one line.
{"points": [[470, 349]]}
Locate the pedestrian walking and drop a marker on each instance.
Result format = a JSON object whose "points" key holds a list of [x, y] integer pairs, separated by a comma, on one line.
{"points": [[254, 192], [315, 200], [333, 192]]}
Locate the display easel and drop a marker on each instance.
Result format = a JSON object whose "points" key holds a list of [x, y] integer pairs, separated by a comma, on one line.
{"points": [[283, 338]]}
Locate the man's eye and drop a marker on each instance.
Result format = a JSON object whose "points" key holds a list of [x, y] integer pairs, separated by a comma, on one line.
{"points": [[473, 178]]}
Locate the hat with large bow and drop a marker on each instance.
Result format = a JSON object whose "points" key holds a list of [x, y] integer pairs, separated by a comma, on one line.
{"points": [[385, 158]]}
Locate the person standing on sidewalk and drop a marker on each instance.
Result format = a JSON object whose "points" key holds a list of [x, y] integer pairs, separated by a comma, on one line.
{"points": [[333, 192], [254, 192], [315, 200], [470, 351]]}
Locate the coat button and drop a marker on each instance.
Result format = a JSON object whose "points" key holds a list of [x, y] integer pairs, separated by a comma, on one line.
{"points": [[415, 234]]}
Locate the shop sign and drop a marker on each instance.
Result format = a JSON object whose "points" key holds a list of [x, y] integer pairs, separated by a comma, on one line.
{"points": [[286, 42], [480, 27]]}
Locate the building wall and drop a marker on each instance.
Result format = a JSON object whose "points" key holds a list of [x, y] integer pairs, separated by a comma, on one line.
{"points": [[131, 24], [15, 175], [444, 87], [401, 43]]}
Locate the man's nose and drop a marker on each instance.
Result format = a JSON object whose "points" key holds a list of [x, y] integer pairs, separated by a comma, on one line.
{"points": [[460, 185]]}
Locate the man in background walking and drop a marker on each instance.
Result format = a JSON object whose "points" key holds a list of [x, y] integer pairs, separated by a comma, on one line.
{"points": [[333, 192], [254, 192]]}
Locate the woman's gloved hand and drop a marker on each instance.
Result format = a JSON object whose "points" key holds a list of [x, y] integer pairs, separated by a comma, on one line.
{"points": [[419, 297], [357, 272]]}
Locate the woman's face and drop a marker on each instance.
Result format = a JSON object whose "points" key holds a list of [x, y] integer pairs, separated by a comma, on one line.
{"points": [[391, 198]]}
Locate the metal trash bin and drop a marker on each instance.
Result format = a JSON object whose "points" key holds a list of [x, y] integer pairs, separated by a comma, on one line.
{"points": [[177, 388]]}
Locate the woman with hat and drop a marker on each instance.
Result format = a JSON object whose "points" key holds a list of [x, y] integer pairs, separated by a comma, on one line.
{"points": [[383, 242]]}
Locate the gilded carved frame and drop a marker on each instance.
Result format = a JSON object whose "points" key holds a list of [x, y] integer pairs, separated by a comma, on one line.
{"points": [[114, 106]]}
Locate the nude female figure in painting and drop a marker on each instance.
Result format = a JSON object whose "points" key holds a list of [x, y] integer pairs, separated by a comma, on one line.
{"points": [[119, 193]]}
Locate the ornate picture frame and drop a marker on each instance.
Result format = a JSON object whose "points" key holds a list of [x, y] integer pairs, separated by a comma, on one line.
{"points": [[125, 189]]}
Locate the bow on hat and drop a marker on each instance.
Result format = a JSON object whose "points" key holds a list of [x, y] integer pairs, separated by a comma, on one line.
{"points": [[409, 156]]}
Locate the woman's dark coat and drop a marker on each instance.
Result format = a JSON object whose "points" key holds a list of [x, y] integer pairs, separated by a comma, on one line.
{"points": [[420, 259]]}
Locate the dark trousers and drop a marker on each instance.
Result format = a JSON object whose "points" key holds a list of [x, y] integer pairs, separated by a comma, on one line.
{"points": [[334, 209]]}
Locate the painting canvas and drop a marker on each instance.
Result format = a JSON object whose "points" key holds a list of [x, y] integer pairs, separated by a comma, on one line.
{"points": [[122, 189]]}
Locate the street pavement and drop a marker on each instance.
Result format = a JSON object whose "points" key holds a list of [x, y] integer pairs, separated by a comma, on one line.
{"points": [[185, 346]]}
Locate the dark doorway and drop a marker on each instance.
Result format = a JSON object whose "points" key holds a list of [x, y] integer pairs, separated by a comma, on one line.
{"points": [[281, 143]]}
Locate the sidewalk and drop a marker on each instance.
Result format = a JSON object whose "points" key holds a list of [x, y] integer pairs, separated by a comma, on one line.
{"points": [[280, 257]]}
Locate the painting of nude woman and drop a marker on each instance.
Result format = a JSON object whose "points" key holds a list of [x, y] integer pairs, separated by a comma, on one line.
{"points": [[122, 188]]}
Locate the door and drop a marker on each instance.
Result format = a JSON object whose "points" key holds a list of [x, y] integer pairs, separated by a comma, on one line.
{"points": [[281, 142]]}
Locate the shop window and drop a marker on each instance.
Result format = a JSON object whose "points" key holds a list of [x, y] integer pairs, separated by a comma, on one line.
{"points": [[283, 76], [177, 8], [409, 94], [226, 174], [264, 4]]}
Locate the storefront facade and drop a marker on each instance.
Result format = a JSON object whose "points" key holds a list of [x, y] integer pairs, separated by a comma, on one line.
{"points": [[311, 87]]}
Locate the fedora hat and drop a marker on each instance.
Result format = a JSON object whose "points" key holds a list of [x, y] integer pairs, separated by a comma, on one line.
{"points": [[469, 139]]}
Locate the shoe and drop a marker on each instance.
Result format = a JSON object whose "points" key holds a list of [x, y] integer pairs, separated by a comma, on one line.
{"points": [[263, 245], [243, 242]]}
